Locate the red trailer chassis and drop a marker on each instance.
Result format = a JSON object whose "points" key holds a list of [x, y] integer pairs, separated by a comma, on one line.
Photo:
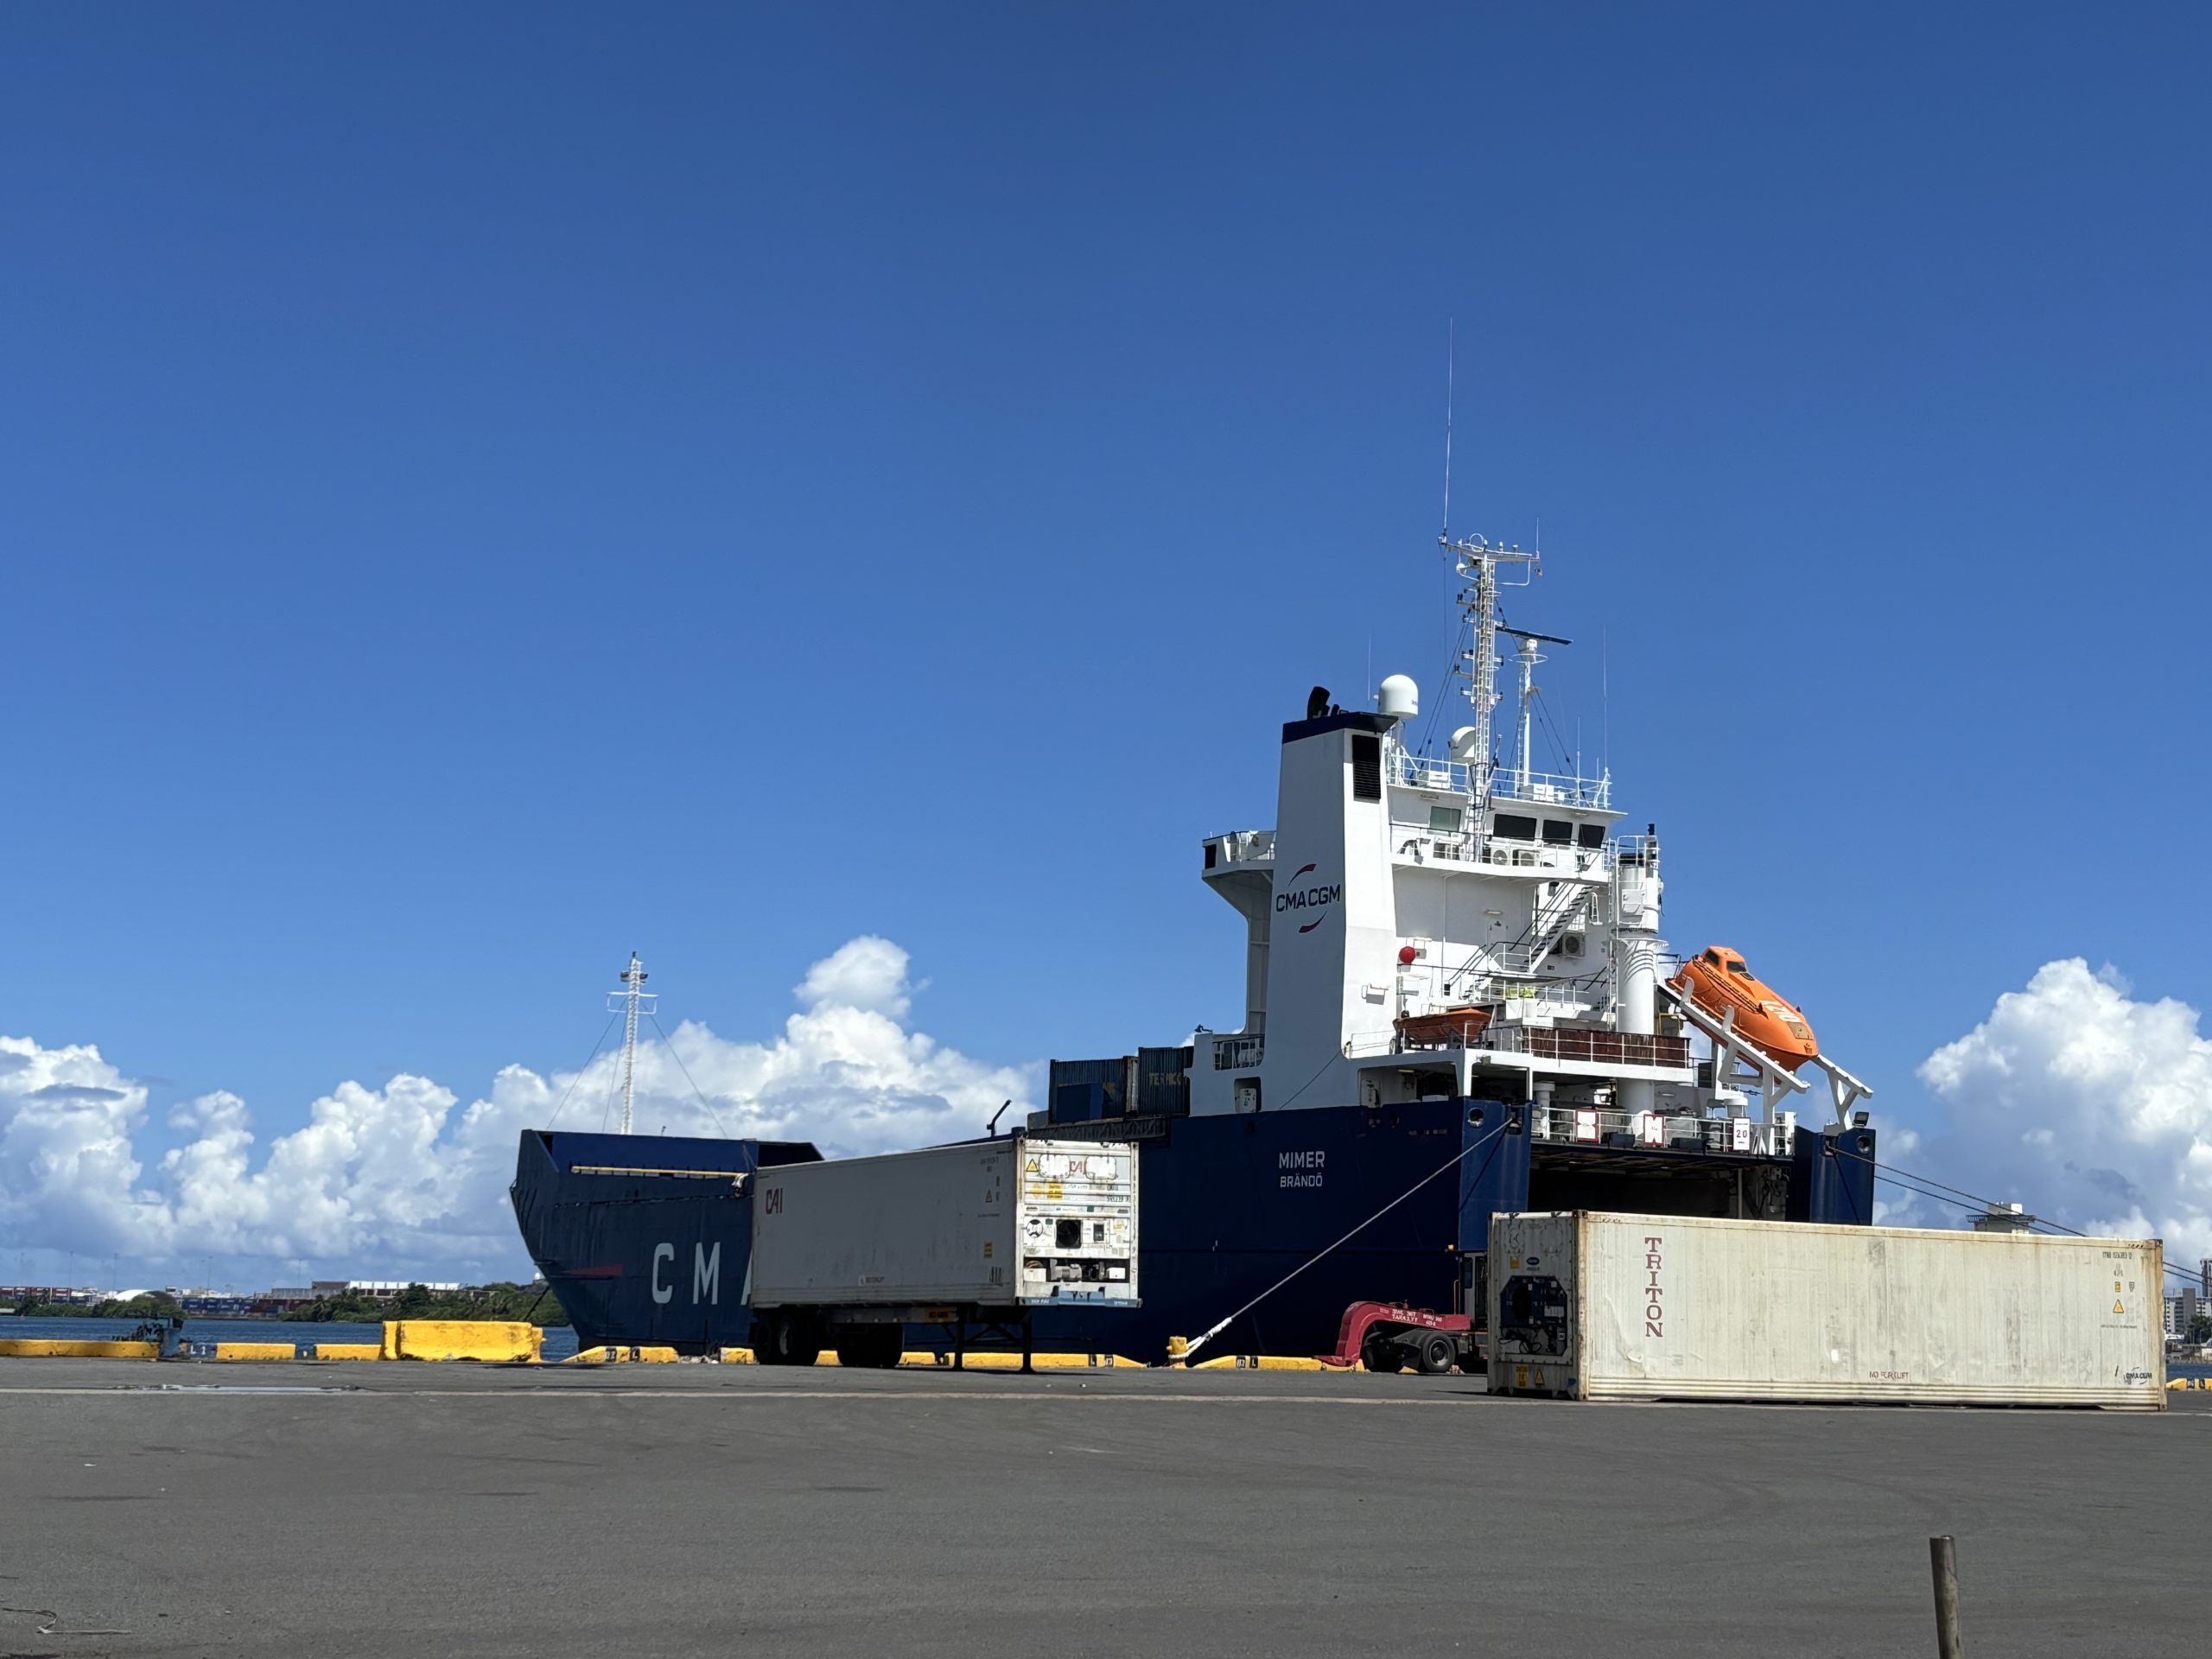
{"points": [[1390, 1336]]}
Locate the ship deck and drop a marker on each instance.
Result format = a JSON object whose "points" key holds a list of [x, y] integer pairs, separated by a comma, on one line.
{"points": [[693, 1508]]}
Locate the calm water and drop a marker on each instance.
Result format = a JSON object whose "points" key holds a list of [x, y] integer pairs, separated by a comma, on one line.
{"points": [[560, 1340]]}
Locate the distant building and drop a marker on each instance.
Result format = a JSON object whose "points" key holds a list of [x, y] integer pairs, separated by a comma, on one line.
{"points": [[2182, 1309], [382, 1290], [2005, 1218]]}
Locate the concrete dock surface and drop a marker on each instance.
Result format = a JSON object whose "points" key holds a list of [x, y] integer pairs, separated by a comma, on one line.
{"points": [[411, 1509]]}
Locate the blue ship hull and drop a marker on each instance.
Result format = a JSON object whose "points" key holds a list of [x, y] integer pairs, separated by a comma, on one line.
{"points": [[646, 1239]]}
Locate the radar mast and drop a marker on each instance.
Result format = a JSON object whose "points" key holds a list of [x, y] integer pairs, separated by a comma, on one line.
{"points": [[1478, 562], [630, 1002]]}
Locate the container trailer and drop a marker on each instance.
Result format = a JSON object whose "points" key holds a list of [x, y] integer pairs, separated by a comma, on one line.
{"points": [[849, 1252]]}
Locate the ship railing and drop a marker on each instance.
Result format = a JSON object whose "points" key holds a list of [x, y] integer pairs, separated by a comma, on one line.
{"points": [[1423, 843], [1506, 783], [1237, 1053], [1606, 1126], [1240, 847], [1550, 788], [1522, 997], [1594, 1047], [1422, 772]]}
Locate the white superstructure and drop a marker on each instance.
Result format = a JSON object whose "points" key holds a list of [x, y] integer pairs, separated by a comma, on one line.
{"points": [[1436, 925]]}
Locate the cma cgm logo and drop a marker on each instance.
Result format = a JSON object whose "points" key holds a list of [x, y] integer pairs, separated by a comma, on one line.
{"points": [[1298, 897]]}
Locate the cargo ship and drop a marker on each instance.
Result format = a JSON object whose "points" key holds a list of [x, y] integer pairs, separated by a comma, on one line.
{"points": [[1457, 1004]]}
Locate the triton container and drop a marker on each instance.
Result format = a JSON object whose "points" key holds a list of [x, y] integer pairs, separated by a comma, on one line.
{"points": [[850, 1251], [1592, 1307]]}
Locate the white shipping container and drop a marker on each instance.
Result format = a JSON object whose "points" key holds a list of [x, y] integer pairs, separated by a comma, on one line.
{"points": [[1592, 1307], [1024, 1222]]}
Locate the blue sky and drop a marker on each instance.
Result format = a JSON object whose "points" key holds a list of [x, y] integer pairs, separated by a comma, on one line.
{"points": [[482, 492]]}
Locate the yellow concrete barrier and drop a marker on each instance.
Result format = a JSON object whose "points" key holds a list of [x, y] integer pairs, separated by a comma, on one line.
{"points": [[256, 1351], [65, 1348], [485, 1339], [348, 1350], [998, 1359], [1263, 1363], [2189, 1383], [630, 1354], [995, 1360]]}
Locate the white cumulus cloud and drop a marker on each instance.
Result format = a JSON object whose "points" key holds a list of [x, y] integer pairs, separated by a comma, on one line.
{"points": [[2086, 1104], [402, 1180]]}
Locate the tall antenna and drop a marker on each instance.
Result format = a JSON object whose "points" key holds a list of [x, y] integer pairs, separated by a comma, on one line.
{"points": [[630, 1002], [1450, 350], [1475, 563]]}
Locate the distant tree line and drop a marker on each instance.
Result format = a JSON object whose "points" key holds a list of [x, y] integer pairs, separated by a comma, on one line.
{"points": [[149, 1305], [497, 1300]]}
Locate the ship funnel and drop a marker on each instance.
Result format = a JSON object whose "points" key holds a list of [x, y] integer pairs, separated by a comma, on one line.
{"points": [[1398, 698]]}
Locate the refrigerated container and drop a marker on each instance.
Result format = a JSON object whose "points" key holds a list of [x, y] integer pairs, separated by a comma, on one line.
{"points": [[1026, 1222], [1588, 1305]]}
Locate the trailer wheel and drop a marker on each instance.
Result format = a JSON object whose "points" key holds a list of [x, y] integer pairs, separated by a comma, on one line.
{"points": [[1435, 1353], [793, 1340], [1380, 1353], [871, 1347]]}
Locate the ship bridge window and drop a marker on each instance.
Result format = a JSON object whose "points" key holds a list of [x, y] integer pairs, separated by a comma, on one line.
{"points": [[1557, 834], [1444, 820], [1589, 835], [1511, 826]]}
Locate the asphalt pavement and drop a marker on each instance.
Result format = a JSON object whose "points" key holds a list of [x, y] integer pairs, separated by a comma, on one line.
{"points": [[696, 1509]]}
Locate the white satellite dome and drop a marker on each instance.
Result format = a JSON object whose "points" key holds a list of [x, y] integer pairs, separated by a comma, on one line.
{"points": [[1398, 697], [1463, 744]]}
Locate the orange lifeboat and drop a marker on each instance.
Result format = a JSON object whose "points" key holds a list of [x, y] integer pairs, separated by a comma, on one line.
{"points": [[1452, 1028], [1718, 982]]}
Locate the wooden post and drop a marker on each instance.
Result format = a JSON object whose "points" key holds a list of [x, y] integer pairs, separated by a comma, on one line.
{"points": [[1943, 1562]]}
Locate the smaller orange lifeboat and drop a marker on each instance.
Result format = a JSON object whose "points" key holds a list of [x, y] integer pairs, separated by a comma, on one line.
{"points": [[1451, 1028], [1718, 982]]}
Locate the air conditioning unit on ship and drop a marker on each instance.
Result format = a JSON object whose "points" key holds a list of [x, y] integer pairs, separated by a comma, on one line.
{"points": [[1571, 945]]}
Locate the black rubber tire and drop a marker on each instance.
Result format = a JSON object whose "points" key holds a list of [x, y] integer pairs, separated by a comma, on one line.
{"points": [[871, 1347], [1380, 1354], [1435, 1354], [794, 1340]]}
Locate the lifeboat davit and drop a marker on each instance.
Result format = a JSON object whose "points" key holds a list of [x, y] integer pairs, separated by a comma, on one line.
{"points": [[1718, 982]]}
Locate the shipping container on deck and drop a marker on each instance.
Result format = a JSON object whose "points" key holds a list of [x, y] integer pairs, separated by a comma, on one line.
{"points": [[1082, 1092], [1163, 1082], [1587, 1306]]}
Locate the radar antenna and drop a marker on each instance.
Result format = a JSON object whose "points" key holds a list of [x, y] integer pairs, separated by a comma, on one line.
{"points": [[1528, 658], [630, 1002]]}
